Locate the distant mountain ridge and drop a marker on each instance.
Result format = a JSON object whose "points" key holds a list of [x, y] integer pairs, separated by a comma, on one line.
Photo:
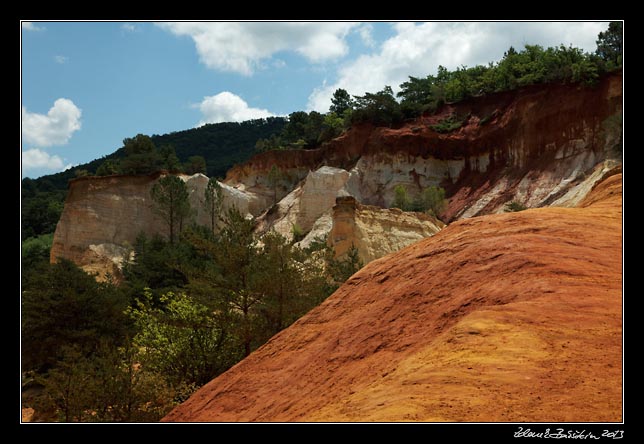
{"points": [[221, 144]]}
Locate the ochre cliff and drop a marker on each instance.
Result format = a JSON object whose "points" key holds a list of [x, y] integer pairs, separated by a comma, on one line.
{"points": [[375, 232], [544, 145], [507, 317], [103, 216], [532, 145]]}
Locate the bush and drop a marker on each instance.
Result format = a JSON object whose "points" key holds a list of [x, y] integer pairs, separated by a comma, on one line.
{"points": [[297, 232], [432, 200], [451, 123], [514, 206], [401, 199]]}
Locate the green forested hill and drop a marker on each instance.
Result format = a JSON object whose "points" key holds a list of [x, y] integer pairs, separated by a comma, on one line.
{"points": [[221, 144]]}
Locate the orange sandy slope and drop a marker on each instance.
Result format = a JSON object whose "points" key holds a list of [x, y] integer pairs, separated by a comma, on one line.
{"points": [[509, 317]]}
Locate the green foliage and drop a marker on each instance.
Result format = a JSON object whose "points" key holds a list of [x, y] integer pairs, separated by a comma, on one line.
{"points": [[401, 198], [198, 306], [169, 159], [35, 251], [297, 232], [290, 284], [182, 339], [380, 108], [156, 265], [332, 127], [170, 196], [81, 173], [342, 269], [610, 45], [514, 206], [141, 156], [213, 201], [449, 124], [340, 102], [64, 305], [109, 167], [110, 386], [41, 210], [194, 165], [432, 200], [302, 131], [516, 69]]}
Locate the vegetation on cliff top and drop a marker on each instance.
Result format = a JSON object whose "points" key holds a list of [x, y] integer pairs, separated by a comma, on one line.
{"points": [[531, 65]]}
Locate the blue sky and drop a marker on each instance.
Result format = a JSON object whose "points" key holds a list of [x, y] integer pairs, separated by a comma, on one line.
{"points": [[88, 85]]}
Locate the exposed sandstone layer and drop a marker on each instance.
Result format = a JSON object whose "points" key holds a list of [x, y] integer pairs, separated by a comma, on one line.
{"points": [[531, 145], [542, 145], [312, 198], [375, 232], [506, 317], [103, 216]]}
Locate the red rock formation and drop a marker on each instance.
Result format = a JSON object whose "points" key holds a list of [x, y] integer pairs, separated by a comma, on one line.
{"points": [[509, 136], [507, 317]]}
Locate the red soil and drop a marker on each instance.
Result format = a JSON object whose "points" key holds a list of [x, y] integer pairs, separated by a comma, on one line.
{"points": [[508, 317]]}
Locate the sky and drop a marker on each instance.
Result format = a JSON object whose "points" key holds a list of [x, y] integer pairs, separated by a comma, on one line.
{"points": [[88, 85]]}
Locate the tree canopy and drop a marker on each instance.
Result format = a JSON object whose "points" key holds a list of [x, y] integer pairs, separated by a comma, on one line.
{"points": [[170, 196], [610, 45]]}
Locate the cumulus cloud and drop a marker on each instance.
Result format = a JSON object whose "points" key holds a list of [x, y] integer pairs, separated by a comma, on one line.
{"points": [[228, 107], [418, 49], [35, 158], [54, 128], [241, 47], [30, 26], [366, 35], [60, 59], [129, 27]]}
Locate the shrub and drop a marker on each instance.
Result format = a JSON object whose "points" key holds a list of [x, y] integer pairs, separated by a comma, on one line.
{"points": [[514, 206], [448, 125], [297, 232]]}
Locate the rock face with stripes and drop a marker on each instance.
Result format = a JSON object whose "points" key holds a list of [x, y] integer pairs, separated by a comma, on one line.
{"points": [[103, 216], [544, 145]]}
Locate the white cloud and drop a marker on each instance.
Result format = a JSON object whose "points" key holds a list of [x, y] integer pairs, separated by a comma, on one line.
{"points": [[35, 158], [366, 35], [129, 27], [29, 26], [60, 59], [240, 47], [228, 107], [55, 128], [418, 49]]}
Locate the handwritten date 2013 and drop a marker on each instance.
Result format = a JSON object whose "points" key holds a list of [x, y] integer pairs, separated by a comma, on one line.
{"points": [[568, 434]]}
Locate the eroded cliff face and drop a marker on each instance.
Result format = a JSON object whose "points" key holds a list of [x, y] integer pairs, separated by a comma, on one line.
{"points": [[103, 216], [533, 146], [376, 232], [310, 200], [545, 145]]}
